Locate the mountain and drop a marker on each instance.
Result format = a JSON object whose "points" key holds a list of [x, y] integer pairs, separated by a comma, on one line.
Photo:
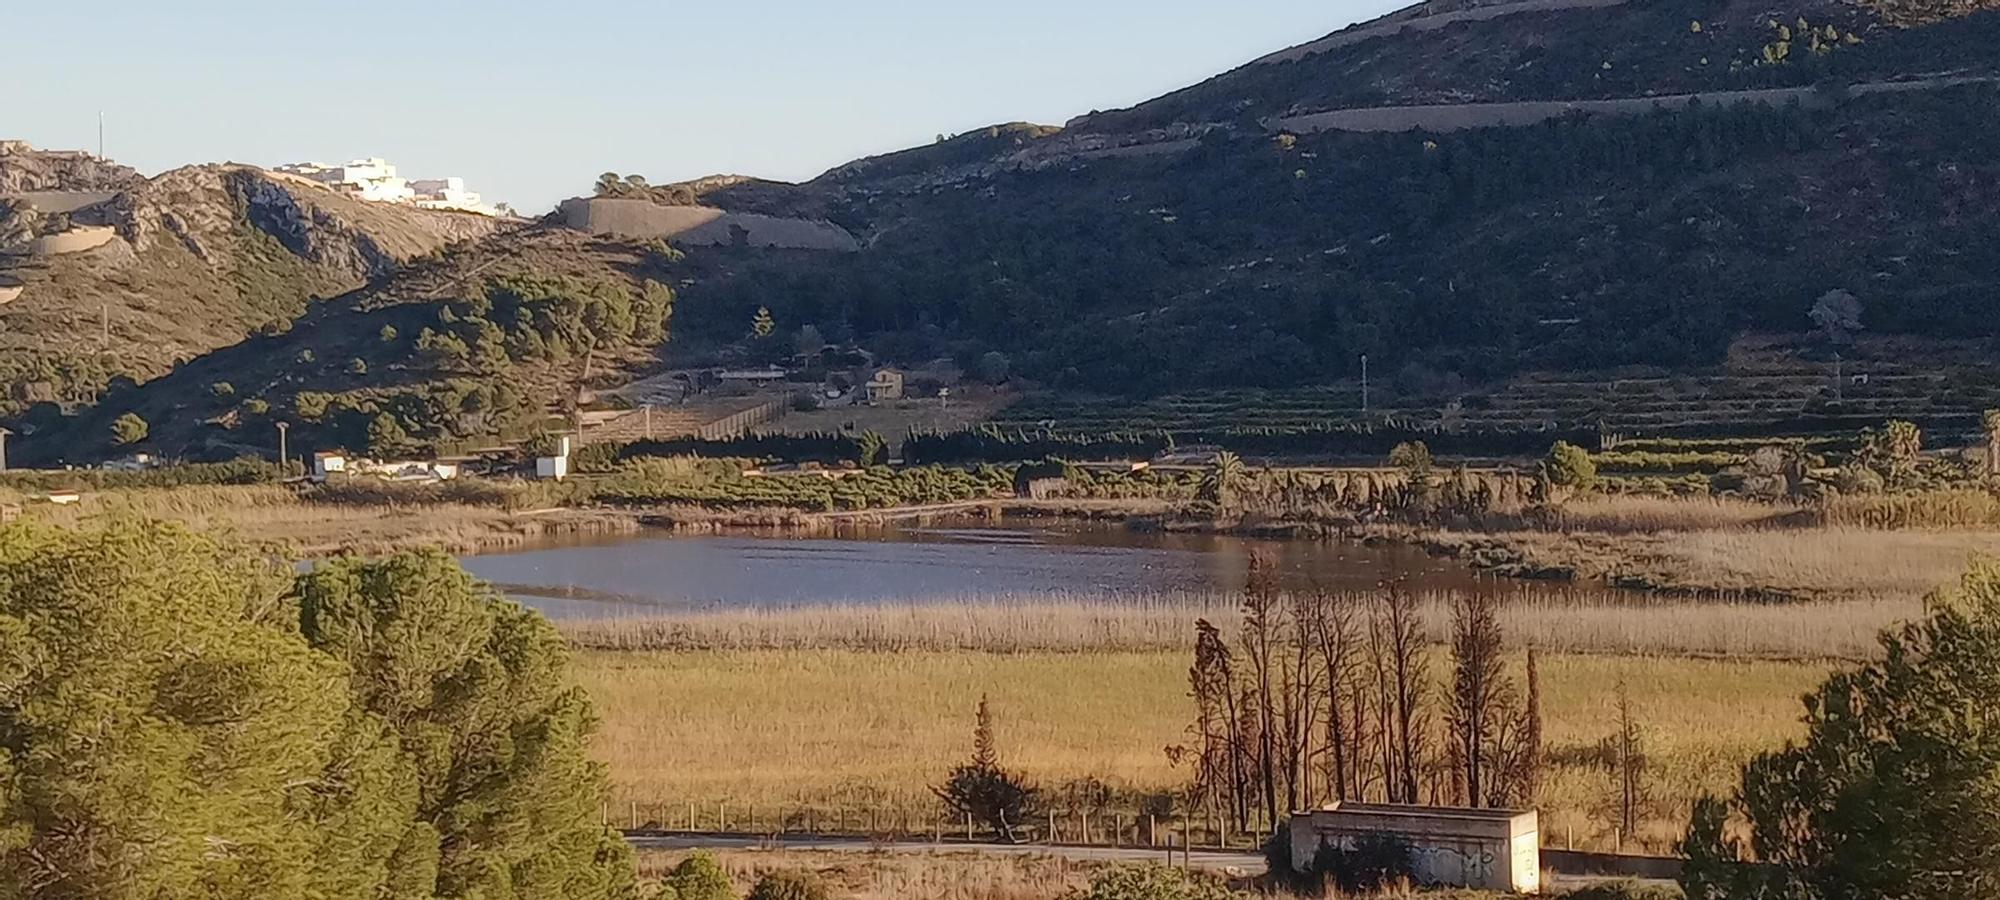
{"points": [[117, 276], [1483, 199]]}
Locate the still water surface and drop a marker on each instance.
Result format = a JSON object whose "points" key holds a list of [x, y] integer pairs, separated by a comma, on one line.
{"points": [[927, 563]]}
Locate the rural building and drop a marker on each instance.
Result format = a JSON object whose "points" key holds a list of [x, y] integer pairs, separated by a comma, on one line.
{"points": [[554, 467], [375, 180], [1485, 849], [886, 385], [325, 464], [9, 513]]}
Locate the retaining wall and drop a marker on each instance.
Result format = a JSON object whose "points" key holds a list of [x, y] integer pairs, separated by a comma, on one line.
{"points": [[703, 226], [75, 240], [52, 202]]}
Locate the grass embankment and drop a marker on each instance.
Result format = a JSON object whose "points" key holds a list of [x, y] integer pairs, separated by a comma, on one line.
{"points": [[319, 523], [848, 729], [1723, 547]]}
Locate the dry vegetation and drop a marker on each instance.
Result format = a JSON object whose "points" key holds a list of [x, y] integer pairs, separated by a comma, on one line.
{"points": [[1725, 548], [843, 729], [1547, 620], [899, 876], [321, 525]]}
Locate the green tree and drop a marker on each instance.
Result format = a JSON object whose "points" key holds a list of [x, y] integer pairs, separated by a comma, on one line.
{"points": [[387, 334], [1570, 466], [1414, 458], [874, 448], [166, 732], [1222, 480], [761, 324], [386, 435], [699, 877], [985, 791], [1895, 791], [1894, 452], [184, 718], [653, 313], [475, 690], [222, 389], [789, 886], [129, 429]]}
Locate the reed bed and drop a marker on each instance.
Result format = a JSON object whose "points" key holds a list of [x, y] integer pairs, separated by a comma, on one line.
{"points": [[768, 732], [1633, 514], [1550, 620], [1930, 509]]}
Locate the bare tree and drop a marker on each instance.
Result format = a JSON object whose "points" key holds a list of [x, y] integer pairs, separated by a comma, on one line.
{"points": [[1335, 626], [1396, 635], [1261, 626], [1219, 776], [1481, 699], [1626, 755]]}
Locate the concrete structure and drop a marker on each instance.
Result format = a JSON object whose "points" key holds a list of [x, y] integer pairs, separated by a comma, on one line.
{"points": [[325, 464], [886, 385], [1487, 849], [554, 467], [703, 226], [63, 498], [75, 240], [447, 193]]}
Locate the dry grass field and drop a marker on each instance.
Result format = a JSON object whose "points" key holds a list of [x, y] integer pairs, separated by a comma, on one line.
{"points": [[781, 730]]}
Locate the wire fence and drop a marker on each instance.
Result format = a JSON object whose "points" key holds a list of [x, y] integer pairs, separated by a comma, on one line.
{"points": [[1105, 828]]}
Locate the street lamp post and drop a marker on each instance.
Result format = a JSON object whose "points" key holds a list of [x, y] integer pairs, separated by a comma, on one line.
{"points": [[284, 455]]}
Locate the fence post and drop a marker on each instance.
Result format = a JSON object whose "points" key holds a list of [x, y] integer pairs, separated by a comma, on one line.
{"points": [[1187, 843], [968, 828], [635, 815], [722, 816], [1052, 826], [1152, 831], [691, 825]]}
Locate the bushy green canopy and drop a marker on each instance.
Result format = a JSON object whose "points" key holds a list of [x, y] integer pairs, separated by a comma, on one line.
{"points": [[1895, 791], [180, 717]]}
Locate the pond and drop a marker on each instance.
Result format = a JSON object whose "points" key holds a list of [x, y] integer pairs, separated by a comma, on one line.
{"points": [[926, 563]]}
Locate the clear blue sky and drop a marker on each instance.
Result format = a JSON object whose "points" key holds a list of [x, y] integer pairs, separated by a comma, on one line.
{"points": [[531, 99]]}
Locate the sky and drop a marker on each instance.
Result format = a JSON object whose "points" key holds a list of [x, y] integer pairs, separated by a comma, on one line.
{"points": [[530, 100]]}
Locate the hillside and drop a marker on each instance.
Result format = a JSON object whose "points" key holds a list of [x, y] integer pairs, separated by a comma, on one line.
{"points": [[159, 271], [1195, 231], [486, 341], [1609, 198]]}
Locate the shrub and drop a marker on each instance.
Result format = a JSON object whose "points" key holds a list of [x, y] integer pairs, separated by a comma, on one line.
{"points": [[129, 429], [1376, 862], [357, 366], [789, 886], [700, 877], [222, 389], [1623, 890], [1413, 457], [1570, 466], [1152, 882]]}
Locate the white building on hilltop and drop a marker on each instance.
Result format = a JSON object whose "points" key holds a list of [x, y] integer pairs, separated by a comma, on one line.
{"points": [[375, 180]]}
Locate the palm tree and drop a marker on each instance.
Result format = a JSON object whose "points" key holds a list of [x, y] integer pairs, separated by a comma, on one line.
{"points": [[1225, 474], [610, 185]]}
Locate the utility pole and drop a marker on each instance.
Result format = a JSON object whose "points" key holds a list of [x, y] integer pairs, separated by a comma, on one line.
{"points": [[284, 461], [1364, 384], [1839, 389], [100, 134]]}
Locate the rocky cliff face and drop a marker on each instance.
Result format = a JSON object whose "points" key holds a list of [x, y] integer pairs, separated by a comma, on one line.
{"points": [[205, 255]]}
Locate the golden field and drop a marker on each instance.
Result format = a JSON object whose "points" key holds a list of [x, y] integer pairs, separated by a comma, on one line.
{"points": [[782, 730]]}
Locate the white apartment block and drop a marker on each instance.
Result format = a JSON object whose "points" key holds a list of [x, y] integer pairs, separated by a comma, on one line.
{"points": [[375, 180]]}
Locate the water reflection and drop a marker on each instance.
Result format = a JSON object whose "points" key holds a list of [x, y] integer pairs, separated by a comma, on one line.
{"points": [[930, 563]]}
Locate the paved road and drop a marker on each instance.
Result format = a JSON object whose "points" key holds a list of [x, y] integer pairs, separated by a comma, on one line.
{"points": [[1236, 863]]}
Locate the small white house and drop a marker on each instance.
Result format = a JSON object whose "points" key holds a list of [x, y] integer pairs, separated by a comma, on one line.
{"points": [[556, 466], [1486, 849], [325, 464]]}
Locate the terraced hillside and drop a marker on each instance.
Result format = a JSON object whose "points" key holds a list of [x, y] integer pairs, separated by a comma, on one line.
{"points": [[1766, 388]]}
